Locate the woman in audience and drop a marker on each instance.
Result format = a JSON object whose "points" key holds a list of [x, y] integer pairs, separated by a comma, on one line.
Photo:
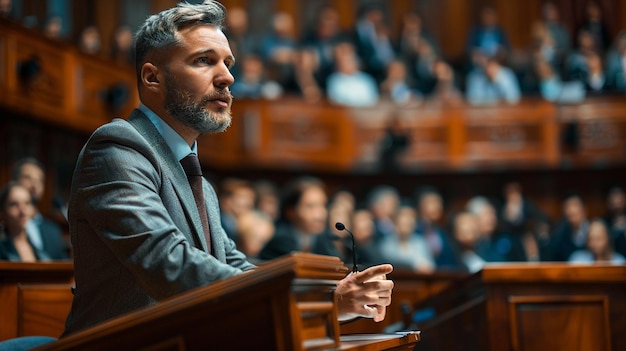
{"points": [[466, 235], [599, 247], [406, 249], [16, 209]]}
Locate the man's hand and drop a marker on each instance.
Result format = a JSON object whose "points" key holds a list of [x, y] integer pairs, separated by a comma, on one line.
{"points": [[365, 294]]}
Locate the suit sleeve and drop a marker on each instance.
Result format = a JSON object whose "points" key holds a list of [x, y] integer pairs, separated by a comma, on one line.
{"points": [[120, 194]]}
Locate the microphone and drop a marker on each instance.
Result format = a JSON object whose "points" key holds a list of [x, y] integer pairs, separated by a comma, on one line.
{"points": [[341, 226]]}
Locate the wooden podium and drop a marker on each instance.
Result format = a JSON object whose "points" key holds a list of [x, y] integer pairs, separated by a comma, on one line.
{"points": [[286, 304]]}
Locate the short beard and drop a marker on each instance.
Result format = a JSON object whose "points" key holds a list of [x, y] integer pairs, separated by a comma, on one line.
{"points": [[180, 104]]}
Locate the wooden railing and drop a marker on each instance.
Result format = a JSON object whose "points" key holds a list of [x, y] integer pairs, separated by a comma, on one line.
{"points": [[53, 83]]}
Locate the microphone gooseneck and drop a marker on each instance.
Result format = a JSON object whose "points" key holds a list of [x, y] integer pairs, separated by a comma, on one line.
{"points": [[341, 226]]}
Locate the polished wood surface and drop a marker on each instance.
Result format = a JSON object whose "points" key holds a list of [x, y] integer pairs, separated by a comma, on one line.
{"points": [[34, 298], [531, 306], [286, 304]]}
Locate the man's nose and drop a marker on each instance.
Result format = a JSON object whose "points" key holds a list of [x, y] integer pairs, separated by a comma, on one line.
{"points": [[223, 78]]}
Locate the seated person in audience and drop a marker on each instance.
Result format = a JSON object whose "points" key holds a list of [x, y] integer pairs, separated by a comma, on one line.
{"points": [[252, 84], [430, 211], [615, 218], [445, 91], [552, 88], [559, 33], [577, 63], [254, 230], [368, 251], [397, 86], [595, 80], [348, 86], [571, 233], [383, 202], [303, 223], [242, 41], [53, 28], [517, 210], [466, 235], [599, 246], [278, 50], [44, 233], [616, 64], [595, 24], [236, 198], [489, 82], [320, 42], [16, 209], [267, 198], [135, 223], [122, 45], [493, 245], [488, 38], [407, 249], [311, 80], [90, 41], [373, 42]]}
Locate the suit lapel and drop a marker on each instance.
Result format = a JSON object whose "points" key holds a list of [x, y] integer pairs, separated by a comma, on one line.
{"points": [[175, 173]]}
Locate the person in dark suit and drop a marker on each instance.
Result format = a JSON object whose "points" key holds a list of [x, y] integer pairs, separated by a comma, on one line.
{"points": [[302, 226], [139, 231], [45, 234], [571, 234]]}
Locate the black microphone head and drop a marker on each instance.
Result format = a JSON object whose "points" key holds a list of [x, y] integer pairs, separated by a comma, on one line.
{"points": [[340, 226]]}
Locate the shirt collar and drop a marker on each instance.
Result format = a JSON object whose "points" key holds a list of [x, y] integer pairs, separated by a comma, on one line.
{"points": [[176, 143]]}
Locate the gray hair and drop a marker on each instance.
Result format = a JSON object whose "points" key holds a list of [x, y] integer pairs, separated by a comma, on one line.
{"points": [[159, 30]]}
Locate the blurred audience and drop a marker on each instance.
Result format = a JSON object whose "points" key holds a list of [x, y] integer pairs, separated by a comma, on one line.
{"points": [[488, 38], [595, 25], [254, 230], [122, 50], [383, 202], [466, 235], [16, 209], [90, 41], [373, 41], [253, 84]]}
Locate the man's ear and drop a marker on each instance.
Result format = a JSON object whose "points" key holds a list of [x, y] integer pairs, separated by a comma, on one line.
{"points": [[150, 77]]}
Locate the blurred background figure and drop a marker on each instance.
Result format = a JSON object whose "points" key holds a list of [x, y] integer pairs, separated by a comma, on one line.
{"points": [[53, 27], [16, 210], [616, 64], [395, 142], [558, 33], [252, 83], [493, 245], [430, 211], [571, 234], [599, 247], [278, 50], [488, 38], [122, 45], [595, 25], [242, 41], [368, 251], [236, 198], [489, 82], [303, 223], [6, 7], [405, 248], [267, 198], [90, 41], [254, 230], [383, 202], [43, 233], [397, 87], [348, 85], [445, 91], [373, 42], [465, 234]]}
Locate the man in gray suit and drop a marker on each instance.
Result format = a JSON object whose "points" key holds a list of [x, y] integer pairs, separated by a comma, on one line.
{"points": [[137, 233]]}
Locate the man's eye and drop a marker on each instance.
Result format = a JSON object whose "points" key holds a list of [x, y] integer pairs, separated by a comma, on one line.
{"points": [[203, 59]]}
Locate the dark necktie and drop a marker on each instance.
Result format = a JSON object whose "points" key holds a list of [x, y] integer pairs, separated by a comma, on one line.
{"points": [[191, 165]]}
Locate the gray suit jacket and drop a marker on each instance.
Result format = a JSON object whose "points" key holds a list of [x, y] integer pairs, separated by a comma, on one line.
{"points": [[135, 228]]}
